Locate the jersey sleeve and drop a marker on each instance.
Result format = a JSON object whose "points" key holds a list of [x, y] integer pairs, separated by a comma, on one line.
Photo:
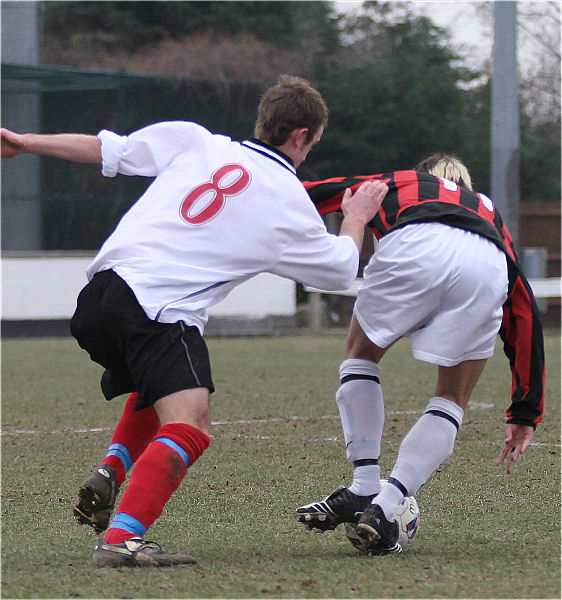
{"points": [[522, 335], [148, 151], [312, 255], [327, 194], [320, 260]]}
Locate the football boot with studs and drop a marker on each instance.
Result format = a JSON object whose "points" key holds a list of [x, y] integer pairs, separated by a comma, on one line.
{"points": [[96, 498], [380, 536], [342, 506], [135, 552]]}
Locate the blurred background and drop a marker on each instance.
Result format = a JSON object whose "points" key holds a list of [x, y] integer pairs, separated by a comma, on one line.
{"points": [[401, 79]]}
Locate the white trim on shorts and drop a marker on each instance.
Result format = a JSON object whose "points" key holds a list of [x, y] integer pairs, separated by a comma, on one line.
{"points": [[443, 286]]}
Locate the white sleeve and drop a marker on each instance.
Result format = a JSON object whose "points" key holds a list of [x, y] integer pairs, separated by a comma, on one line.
{"points": [[320, 259], [148, 151], [111, 150]]}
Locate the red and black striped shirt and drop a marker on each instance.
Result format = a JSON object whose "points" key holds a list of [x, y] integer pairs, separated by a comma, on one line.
{"points": [[415, 197]]}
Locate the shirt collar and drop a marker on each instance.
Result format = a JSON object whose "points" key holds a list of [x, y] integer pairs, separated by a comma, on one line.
{"points": [[274, 153]]}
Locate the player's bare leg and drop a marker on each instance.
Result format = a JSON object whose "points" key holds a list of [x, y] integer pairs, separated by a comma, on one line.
{"points": [[457, 383], [186, 406], [358, 345]]}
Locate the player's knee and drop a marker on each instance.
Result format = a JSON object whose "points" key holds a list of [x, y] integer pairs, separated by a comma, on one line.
{"points": [[189, 442]]}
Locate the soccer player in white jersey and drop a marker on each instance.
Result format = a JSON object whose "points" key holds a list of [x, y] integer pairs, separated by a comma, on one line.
{"points": [[217, 213]]}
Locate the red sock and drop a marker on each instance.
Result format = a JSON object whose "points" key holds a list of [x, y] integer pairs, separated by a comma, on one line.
{"points": [[133, 433], [156, 476]]}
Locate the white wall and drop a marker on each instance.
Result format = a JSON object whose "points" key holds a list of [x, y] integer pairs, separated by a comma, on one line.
{"points": [[46, 287]]}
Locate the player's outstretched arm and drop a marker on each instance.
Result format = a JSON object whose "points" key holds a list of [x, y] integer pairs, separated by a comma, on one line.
{"points": [[68, 146], [12, 143], [359, 208], [517, 438]]}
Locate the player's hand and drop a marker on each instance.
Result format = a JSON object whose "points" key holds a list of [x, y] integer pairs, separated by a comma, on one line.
{"points": [[517, 438], [12, 143], [366, 201]]}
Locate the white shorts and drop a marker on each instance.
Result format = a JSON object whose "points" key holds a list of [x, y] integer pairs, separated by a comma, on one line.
{"points": [[443, 286]]}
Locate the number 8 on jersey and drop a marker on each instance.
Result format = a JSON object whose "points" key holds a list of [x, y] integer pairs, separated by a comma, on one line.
{"points": [[212, 195]]}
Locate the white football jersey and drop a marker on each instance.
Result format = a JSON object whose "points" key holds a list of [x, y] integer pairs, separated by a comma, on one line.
{"points": [[217, 213]]}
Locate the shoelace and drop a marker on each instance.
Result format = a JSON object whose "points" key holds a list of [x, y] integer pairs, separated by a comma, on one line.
{"points": [[149, 544]]}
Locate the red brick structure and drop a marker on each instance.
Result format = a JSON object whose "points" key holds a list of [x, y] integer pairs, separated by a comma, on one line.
{"points": [[540, 226]]}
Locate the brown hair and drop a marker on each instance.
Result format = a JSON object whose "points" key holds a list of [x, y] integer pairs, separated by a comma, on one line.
{"points": [[447, 166], [290, 104]]}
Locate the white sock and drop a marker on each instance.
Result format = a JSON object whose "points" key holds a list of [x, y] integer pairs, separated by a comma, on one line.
{"points": [[366, 480], [427, 445], [361, 406], [389, 499]]}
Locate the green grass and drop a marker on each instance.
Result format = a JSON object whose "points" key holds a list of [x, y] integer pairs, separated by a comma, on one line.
{"points": [[276, 444]]}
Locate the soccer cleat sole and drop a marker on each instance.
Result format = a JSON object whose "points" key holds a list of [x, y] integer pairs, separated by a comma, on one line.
{"points": [[85, 510], [318, 521], [372, 541]]}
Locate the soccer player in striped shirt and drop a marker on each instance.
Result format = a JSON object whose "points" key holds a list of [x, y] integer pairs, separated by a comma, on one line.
{"points": [[445, 273]]}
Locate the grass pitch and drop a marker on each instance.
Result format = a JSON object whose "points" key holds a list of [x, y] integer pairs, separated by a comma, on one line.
{"points": [[276, 444]]}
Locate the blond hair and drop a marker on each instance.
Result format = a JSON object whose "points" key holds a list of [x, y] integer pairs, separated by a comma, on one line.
{"points": [[290, 104], [446, 166]]}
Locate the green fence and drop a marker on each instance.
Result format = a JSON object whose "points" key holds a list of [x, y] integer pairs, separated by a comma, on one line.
{"points": [[77, 206]]}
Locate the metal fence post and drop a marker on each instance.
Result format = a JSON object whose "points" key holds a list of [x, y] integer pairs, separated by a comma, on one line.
{"points": [[533, 262]]}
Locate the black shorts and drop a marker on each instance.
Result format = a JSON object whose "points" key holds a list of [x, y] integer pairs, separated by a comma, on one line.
{"points": [[139, 355]]}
